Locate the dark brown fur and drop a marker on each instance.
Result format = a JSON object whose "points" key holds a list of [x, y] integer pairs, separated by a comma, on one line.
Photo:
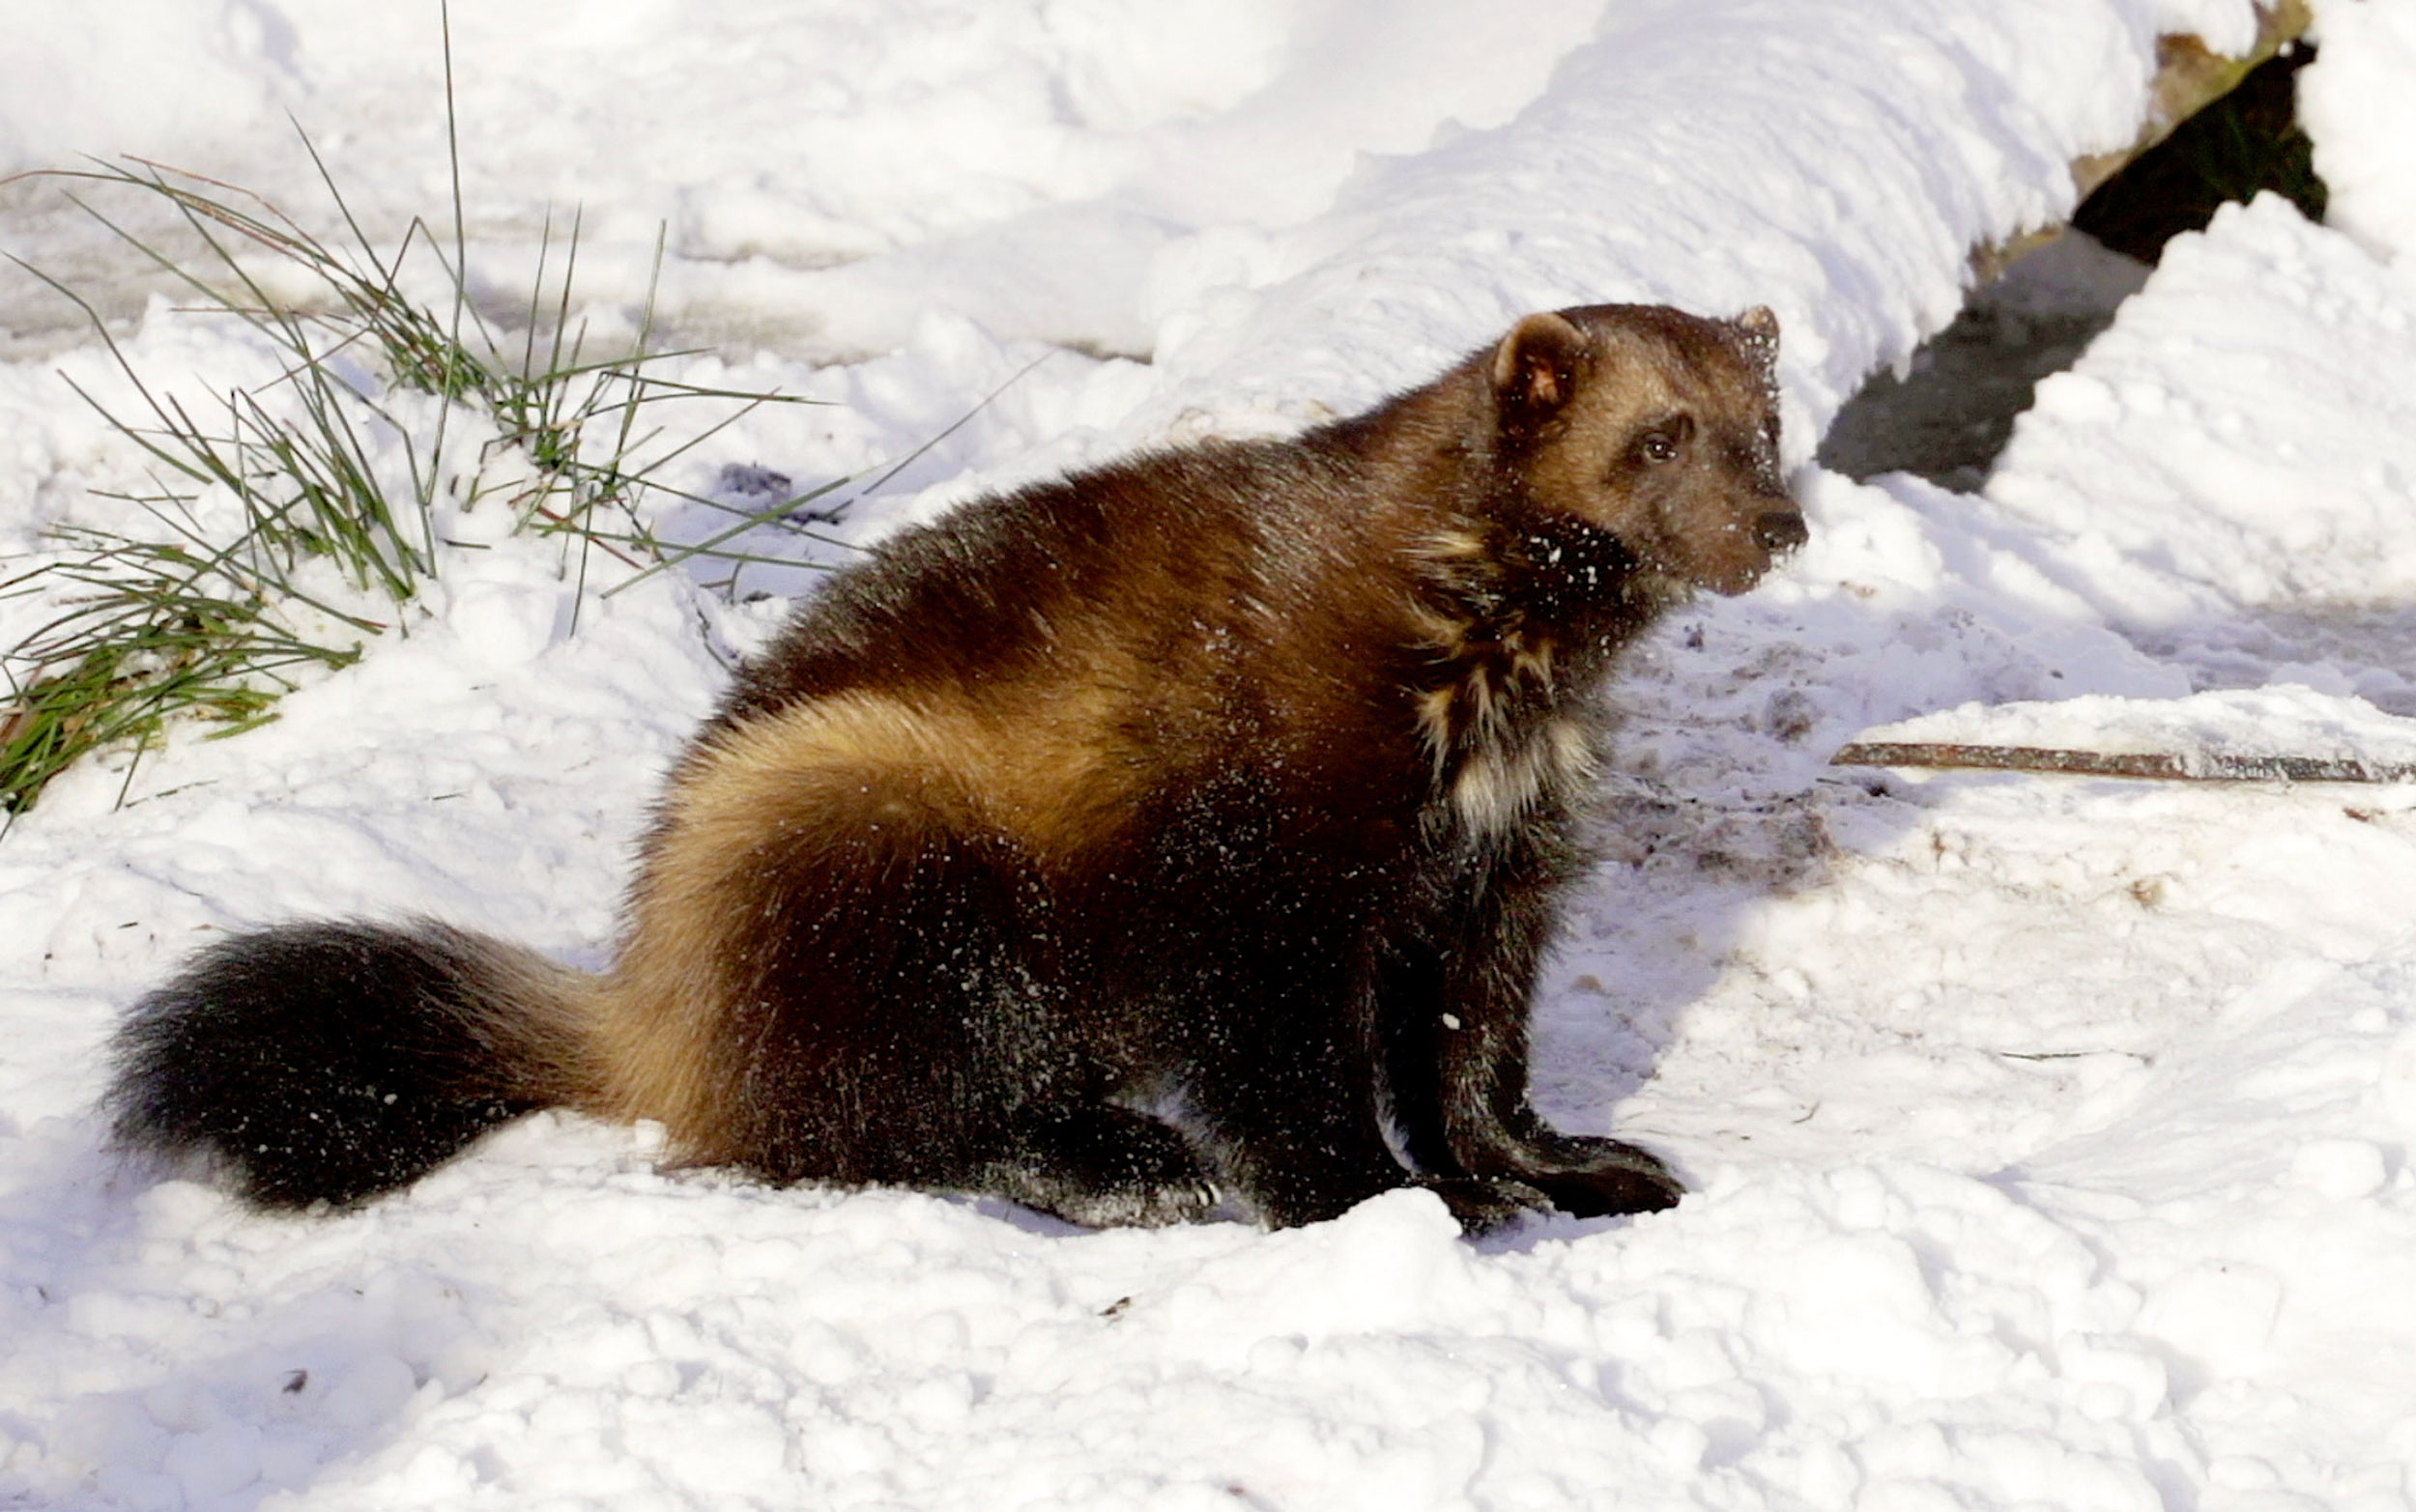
{"points": [[1170, 830]]}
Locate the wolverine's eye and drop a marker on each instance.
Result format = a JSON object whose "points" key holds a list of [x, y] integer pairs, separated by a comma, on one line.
{"points": [[1663, 441]]}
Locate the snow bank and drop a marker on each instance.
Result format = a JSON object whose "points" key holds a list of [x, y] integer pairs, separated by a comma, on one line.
{"points": [[2279, 473], [2048, 1138], [2357, 108]]}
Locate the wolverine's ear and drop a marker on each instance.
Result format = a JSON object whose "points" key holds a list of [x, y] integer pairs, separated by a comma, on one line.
{"points": [[1534, 368], [1761, 330]]}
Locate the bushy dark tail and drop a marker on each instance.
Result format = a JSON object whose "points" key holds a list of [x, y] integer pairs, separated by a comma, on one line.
{"points": [[332, 1062]]}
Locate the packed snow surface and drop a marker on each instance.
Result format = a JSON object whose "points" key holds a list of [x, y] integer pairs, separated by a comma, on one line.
{"points": [[2047, 1137]]}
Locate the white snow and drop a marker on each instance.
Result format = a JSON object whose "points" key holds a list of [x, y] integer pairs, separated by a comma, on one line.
{"points": [[2047, 1137]]}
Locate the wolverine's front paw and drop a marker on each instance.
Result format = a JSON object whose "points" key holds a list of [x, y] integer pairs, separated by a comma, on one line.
{"points": [[1589, 1178]]}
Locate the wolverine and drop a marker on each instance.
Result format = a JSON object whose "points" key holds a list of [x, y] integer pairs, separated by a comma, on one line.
{"points": [[1178, 834]]}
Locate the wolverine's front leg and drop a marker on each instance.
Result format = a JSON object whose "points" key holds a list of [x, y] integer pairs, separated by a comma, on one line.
{"points": [[1455, 1025]]}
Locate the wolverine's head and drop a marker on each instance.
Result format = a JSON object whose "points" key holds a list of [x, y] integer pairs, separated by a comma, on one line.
{"points": [[1657, 426]]}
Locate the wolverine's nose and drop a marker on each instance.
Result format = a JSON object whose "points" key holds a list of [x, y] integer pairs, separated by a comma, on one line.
{"points": [[1780, 529]]}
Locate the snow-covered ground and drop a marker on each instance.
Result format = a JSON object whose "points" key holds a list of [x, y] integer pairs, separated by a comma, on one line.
{"points": [[2049, 1137]]}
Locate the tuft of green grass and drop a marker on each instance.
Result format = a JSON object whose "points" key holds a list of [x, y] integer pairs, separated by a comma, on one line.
{"points": [[385, 415], [153, 630]]}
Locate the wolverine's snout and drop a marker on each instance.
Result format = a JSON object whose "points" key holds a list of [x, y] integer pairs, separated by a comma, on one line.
{"points": [[1780, 530]]}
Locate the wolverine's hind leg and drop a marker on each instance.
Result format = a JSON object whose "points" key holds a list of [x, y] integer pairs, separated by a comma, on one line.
{"points": [[1282, 1080], [910, 1027], [840, 971]]}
